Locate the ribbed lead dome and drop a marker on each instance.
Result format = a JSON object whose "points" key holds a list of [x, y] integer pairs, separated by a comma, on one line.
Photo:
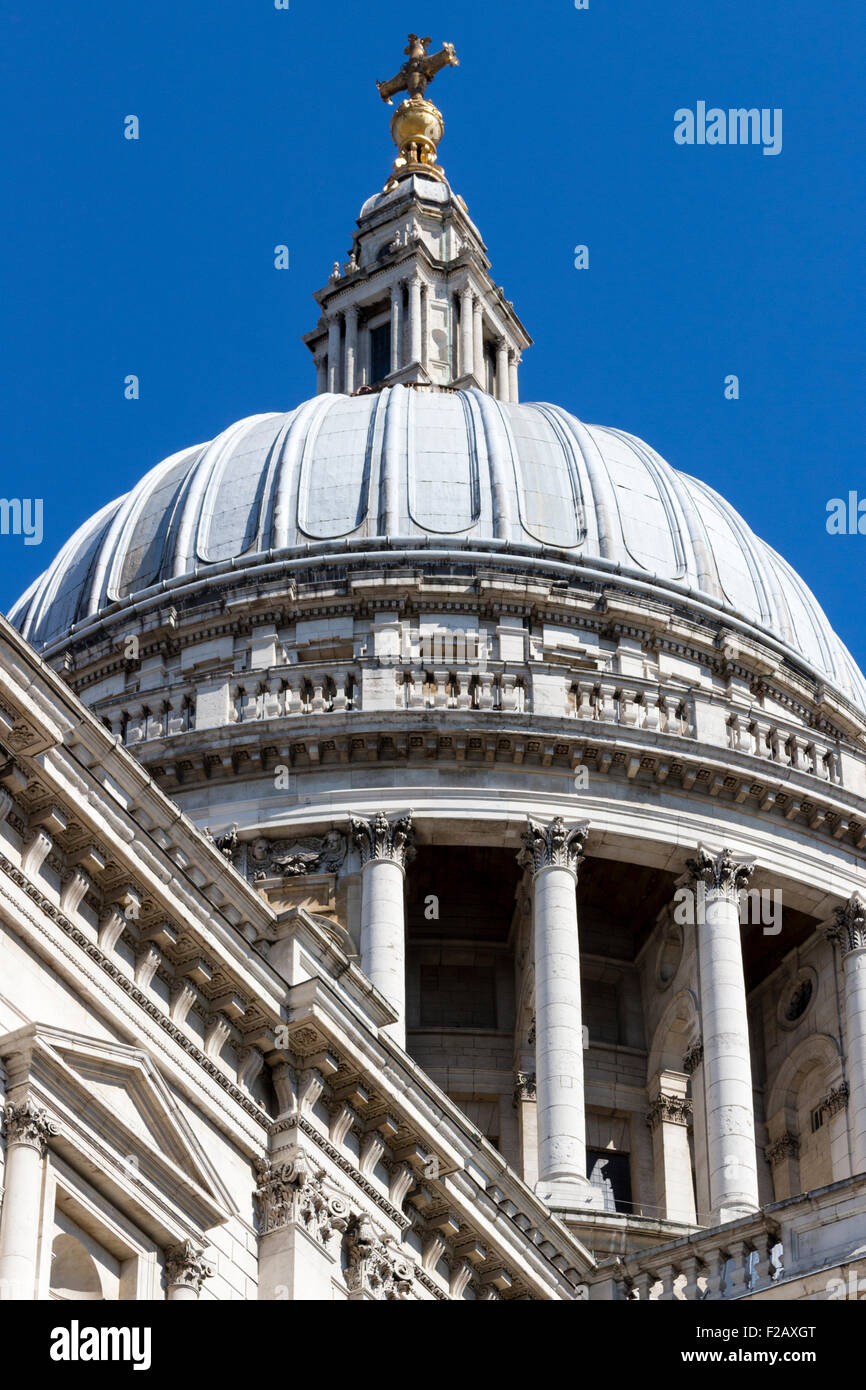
{"points": [[414, 465]]}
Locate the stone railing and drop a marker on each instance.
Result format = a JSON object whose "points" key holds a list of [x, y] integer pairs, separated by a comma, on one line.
{"points": [[809, 1235], [639, 707], [766, 738]]}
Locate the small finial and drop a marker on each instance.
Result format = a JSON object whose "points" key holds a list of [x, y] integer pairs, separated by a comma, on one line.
{"points": [[417, 125]]}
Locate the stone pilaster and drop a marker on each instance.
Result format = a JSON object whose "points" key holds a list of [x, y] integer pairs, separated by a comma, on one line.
{"points": [[301, 1223], [554, 853], [669, 1117], [849, 932], [727, 1070], [385, 847]]}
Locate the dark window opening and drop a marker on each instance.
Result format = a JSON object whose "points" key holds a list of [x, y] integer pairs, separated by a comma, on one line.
{"points": [[380, 353], [611, 1173]]}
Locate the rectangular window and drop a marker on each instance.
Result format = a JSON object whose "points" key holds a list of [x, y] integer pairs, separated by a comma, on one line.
{"points": [[380, 353], [611, 1172]]}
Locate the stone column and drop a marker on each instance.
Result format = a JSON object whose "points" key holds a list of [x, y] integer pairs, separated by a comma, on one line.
{"points": [[467, 350], [554, 853], [396, 327], [334, 353], [478, 341], [849, 930], [321, 361], [501, 369], [668, 1119], [415, 347], [28, 1130], [351, 349], [386, 847], [514, 360], [185, 1272], [730, 1119]]}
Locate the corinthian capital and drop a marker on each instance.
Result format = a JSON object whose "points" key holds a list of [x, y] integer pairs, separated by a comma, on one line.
{"points": [[849, 928], [185, 1265], [555, 845], [26, 1123], [721, 873], [380, 838]]}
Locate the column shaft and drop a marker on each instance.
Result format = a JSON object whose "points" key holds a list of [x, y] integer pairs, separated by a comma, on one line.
{"points": [[502, 370], [855, 1047], [385, 847], [513, 364], [351, 348], [559, 1029], [396, 327], [334, 354], [850, 932], [727, 1068], [467, 354], [383, 937], [478, 342], [415, 319]]}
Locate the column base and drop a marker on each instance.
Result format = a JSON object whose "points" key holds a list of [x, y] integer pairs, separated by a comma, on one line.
{"points": [[733, 1213], [569, 1194]]}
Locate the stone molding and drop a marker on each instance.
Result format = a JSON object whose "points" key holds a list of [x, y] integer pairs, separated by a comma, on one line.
{"points": [[25, 1122], [555, 845], [849, 928], [722, 873], [185, 1266], [379, 838]]}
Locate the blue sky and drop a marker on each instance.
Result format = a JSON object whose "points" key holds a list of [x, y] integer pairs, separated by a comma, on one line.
{"points": [[261, 126]]}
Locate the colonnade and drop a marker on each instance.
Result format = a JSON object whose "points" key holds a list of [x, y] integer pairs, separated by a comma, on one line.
{"points": [[719, 1064], [344, 366]]}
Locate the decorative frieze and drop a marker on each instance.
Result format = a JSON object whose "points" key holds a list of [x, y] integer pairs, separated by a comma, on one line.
{"points": [[554, 845], [186, 1267], [673, 1110], [849, 928], [27, 1123], [380, 838], [721, 873], [290, 858]]}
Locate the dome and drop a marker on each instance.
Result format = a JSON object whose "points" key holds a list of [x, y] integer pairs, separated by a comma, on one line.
{"points": [[452, 470]]}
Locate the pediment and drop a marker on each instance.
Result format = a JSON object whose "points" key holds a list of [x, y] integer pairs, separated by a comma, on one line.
{"points": [[111, 1099]]}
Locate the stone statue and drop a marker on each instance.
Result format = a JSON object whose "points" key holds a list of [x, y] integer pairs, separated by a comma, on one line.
{"points": [[419, 71]]}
